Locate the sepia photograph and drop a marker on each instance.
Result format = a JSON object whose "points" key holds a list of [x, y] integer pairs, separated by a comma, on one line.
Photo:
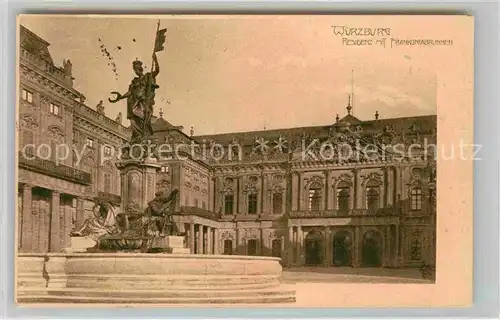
{"points": [[244, 160]]}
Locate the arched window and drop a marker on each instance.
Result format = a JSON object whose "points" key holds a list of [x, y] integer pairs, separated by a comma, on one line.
{"points": [[315, 197], [252, 203], [343, 194], [228, 204], [372, 200], [416, 198], [277, 202], [372, 196]]}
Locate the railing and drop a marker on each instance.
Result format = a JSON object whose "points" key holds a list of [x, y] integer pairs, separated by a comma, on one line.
{"points": [[89, 113], [339, 213], [53, 169], [113, 198], [200, 212], [46, 67]]}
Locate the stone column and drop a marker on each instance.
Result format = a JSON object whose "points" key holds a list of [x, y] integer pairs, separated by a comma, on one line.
{"points": [[295, 191], [209, 248], [192, 235], [55, 227], [290, 247], [200, 239], [300, 246], [327, 259], [357, 243], [27, 219], [216, 241], [386, 249], [397, 250]]}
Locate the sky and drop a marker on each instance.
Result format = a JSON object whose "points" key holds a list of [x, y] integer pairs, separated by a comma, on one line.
{"points": [[244, 73]]}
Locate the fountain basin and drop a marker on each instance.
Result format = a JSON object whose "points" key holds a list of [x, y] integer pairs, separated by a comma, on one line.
{"points": [[142, 278]]}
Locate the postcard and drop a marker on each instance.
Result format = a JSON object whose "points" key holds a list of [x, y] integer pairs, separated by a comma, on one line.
{"points": [[228, 160]]}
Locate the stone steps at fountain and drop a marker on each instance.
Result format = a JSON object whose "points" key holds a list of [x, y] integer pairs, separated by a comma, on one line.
{"points": [[149, 278]]}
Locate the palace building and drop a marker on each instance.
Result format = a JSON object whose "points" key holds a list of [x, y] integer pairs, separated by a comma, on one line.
{"points": [[350, 193]]}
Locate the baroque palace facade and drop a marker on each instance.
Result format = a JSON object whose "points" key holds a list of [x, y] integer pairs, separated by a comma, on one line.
{"points": [[344, 194]]}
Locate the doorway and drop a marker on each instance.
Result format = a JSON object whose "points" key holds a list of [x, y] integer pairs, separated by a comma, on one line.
{"points": [[314, 248], [372, 249], [342, 249]]}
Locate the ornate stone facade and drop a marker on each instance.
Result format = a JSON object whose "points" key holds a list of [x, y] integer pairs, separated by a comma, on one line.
{"points": [[293, 193]]}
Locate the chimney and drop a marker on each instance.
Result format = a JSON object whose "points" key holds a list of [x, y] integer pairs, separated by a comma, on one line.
{"points": [[376, 115]]}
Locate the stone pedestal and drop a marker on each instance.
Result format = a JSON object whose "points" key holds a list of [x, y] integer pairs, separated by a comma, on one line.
{"points": [[80, 244], [138, 182], [171, 244]]}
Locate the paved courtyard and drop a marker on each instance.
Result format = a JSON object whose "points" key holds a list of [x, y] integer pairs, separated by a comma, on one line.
{"points": [[348, 275]]}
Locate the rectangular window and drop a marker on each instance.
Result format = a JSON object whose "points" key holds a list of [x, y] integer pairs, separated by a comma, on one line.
{"points": [[277, 203], [252, 204], [416, 199], [107, 150], [252, 247], [416, 250], [54, 109], [89, 143], [228, 204], [27, 96], [107, 182], [164, 169]]}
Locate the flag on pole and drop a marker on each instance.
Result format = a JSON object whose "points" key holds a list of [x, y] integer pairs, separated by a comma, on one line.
{"points": [[160, 40]]}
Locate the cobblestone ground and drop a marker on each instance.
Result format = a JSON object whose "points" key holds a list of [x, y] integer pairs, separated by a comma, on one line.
{"points": [[348, 275]]}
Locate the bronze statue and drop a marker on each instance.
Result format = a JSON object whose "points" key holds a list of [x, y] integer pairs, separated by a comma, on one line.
{"points": [[140, 100], [159, 214]]}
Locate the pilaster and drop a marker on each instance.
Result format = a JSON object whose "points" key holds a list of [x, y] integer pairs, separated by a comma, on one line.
{"points": [[27, 219], [200, 239], [330, 191], [295, 191], [192, 235], [55, 227]]}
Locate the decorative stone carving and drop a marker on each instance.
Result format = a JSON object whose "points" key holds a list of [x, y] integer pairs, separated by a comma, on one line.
{"points": [[344, 177], [250, 234], [313, 180], [56, 132], [29, 121], [376, 176], [227, 235]]}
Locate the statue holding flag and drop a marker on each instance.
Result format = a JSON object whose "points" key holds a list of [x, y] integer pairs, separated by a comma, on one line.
{"points": [[141, 93]]}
